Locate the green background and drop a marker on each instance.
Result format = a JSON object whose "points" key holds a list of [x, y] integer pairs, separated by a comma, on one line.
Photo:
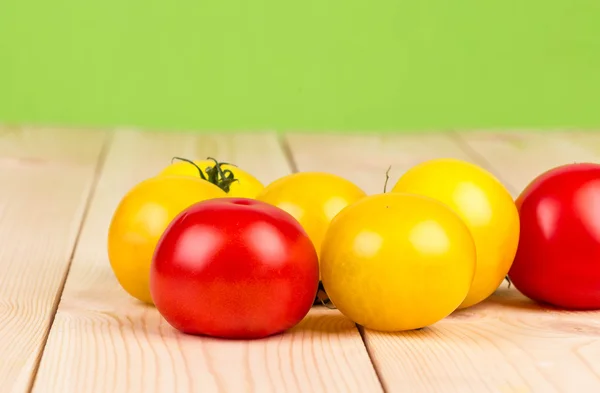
{"points": [[301, 65]]}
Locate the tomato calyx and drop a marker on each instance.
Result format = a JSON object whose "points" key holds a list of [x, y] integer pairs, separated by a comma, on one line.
{"points": [[222, 178]]}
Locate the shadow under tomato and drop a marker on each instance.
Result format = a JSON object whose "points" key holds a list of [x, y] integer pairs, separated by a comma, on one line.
{"points": [[324, 320], [511, 297], [319, 320], [424, 332]]}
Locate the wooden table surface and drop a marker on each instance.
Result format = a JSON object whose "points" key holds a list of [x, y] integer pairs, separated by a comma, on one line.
{"points": [[66, 325]]}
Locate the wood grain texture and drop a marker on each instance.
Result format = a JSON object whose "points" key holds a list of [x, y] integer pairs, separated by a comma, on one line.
{"points": [[518, 157], [589, 140], [365, 158], [45, 187], [506, 344], [39, 145], [103, 340]]}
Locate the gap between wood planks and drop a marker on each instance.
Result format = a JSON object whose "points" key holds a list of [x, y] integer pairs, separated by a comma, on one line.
{"points": [[99, 330], [287, 151], [48, 177], [376, 341], [502, 344], [90, 196], [460, 143], [480, 159]]}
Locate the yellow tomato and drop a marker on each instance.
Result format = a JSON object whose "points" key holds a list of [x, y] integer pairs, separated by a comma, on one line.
{"points": [[246, 185], [394, 261], [140, 220], [312, 198], [485, 206]]}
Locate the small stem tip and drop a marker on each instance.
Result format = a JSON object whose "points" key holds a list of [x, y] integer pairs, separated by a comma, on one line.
{"points": [[387, 178]]}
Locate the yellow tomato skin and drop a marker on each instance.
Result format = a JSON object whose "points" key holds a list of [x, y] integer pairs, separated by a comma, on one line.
{"points": [[395, 262], [140, 220], [312, 198], [485, 206], [247, 185]]}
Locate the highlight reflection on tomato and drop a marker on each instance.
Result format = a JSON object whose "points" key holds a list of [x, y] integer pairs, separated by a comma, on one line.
{"points": [[140, 219], [397, 261], [558, 258], [486, 207], [313, 198], [234, 268]]}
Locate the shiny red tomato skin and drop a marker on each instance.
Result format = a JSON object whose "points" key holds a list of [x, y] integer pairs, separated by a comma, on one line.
{"points": [[558, 258], [234, 268]]}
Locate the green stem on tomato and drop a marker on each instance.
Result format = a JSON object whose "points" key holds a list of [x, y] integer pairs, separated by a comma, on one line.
{"points": [[217, 175], [214, 174], [202, 175]]}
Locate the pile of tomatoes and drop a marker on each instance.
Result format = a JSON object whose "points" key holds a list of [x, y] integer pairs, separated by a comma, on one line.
{"points": [[220, 254]]}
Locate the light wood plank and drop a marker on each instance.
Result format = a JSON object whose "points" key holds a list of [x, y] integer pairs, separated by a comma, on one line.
{"points": [[507, 343], [588, 140], [46, 184], [365, 158], [518, 157], [38, 145], [104, 341]]}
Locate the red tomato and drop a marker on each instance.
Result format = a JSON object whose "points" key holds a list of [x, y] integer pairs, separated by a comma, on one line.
{"points": [[558, 258], [234, 268]]}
